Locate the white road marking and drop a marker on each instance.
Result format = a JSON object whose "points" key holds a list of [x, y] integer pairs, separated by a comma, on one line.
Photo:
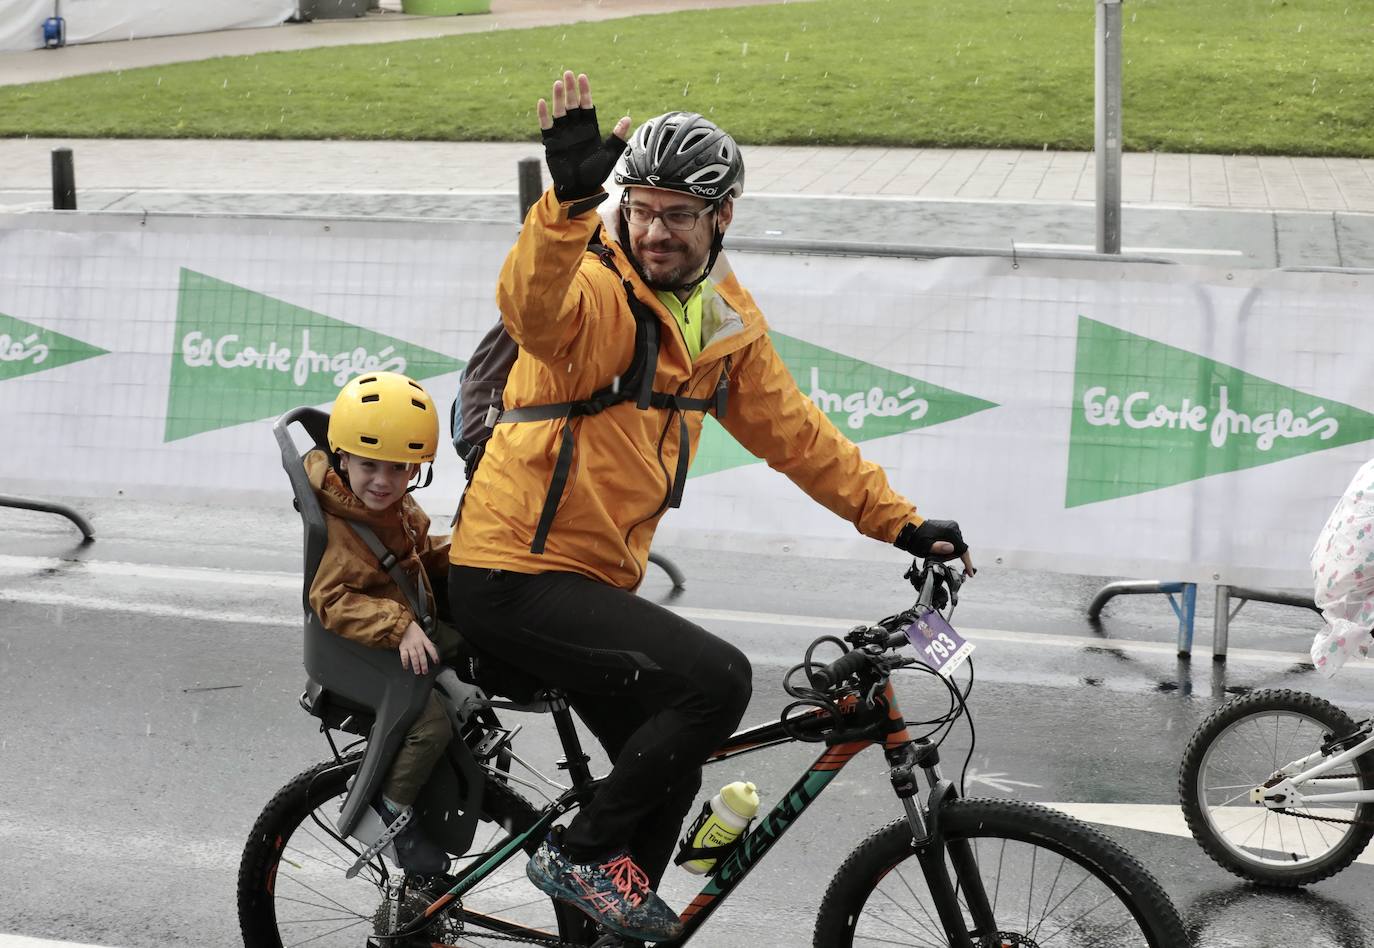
{"points": [[998, 781], [12, 566], [23, 941], [156, 610], [1163, 818], [20, 565]]}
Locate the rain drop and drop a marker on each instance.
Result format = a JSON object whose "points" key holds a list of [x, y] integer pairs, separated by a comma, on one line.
{"points": [[744, 49], [787, 56], [225, 84], [685, 88]]}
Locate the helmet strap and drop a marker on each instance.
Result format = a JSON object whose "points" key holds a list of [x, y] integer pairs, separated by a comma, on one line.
{"points": [[429, 479]]}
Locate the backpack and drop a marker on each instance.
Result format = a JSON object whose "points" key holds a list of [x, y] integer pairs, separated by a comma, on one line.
{"points": [[479, 405]]}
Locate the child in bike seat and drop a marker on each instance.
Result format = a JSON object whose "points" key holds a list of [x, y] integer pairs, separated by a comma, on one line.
{"points": [[382, 429]]}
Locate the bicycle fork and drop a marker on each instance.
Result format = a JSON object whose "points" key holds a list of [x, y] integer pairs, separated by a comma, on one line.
{"points": [[930, 846]]}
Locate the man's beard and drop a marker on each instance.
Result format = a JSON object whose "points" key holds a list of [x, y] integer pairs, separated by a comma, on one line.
{"points": [[672, 278]]}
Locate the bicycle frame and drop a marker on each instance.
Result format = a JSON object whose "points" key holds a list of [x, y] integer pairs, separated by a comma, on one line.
{"points": [[1284, 794], [877, 723]]}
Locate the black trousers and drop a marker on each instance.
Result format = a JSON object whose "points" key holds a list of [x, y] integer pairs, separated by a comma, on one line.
{"points": [[660, 694]]}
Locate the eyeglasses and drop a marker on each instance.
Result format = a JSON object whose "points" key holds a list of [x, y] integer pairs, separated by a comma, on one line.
{"points": [[677, 219]]}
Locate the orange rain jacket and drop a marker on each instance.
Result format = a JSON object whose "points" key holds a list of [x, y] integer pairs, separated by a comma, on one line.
{"points": [[576, 332], [352, 594]]}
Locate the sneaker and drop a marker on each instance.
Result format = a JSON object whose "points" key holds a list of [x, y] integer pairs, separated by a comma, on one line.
{"points": [[415, 852], [614, 892]]}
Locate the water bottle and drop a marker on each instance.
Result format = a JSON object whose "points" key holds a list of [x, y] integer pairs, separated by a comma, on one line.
{"points": [[729, 813]]}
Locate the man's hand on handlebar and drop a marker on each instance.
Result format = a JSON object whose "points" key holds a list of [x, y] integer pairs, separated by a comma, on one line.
{"points": [[936, 539]]}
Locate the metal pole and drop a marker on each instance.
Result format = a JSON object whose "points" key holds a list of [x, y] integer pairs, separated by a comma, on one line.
{"points": [[1221, 623], [531, 184], [1107, 122], [63, 180]]}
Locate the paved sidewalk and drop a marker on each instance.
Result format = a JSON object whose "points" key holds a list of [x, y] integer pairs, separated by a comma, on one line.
{"points": [[295, 167], [123, 167]]}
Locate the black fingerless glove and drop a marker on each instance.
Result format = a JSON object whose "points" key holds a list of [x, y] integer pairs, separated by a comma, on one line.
{"points": [[918, 540], [579, 161]]}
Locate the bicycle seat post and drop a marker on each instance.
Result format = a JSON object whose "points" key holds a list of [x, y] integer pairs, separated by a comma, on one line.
{"points": [[575, 762]]}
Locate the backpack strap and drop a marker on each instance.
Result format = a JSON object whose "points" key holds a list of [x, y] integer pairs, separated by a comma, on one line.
{"points": [[635, 383], [389, 562]]}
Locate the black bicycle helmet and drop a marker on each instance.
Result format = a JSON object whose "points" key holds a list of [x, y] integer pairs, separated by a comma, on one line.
{"points": [[681, 151]]}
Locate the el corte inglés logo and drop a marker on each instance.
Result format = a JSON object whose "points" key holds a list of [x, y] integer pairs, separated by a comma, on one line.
{"points": [[243, 356], [26, 348], [864, 400], [1148, 415]]}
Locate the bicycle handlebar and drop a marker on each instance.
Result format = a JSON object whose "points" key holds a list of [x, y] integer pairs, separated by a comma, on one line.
{"points": [[840, 669], [928, 578]]}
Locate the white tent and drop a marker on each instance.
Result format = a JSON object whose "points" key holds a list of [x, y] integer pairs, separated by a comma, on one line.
{"points": [[96, 21]]}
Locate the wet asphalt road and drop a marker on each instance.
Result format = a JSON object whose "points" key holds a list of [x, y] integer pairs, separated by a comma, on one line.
{"points": [[149, 699]]}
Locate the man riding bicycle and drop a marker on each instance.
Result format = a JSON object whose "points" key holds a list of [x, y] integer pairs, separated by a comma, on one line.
{"points": [[556, 524]]}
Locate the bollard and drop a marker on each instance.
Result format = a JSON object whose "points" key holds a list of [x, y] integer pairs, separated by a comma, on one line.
{"points": [[1107, 137], [531, 184], [63, 180]]}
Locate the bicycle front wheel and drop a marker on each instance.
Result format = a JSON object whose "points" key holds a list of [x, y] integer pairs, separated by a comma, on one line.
{"points": [[1249, 741], [1051, 881], [292, 888]]}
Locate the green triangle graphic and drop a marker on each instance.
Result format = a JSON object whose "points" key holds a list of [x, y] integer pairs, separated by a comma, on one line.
{"points": [[26, 348], [242, 356], [1148, 415], [864, 400]]}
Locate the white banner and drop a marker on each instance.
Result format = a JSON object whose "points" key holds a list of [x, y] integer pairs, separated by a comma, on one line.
{"points": [[1126, 419]]}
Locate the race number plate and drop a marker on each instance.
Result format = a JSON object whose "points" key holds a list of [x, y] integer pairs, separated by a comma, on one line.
{"points": [[940, 646]]}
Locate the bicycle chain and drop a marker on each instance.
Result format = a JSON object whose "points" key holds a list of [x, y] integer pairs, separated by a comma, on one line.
{"points": [[496, 936]]}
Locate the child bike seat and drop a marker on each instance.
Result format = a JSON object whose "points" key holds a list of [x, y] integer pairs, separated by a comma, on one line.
{"points": [[366, 690]]}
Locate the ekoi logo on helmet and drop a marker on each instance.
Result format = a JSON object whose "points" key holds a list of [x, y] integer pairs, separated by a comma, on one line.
{"points": [[701, 189]]}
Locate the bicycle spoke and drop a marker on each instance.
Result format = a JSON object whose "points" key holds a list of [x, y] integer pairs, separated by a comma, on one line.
{"points": [[935, 928], [335, 931], [314, 891]]}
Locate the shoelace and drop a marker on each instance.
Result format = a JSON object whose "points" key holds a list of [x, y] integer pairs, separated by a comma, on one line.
{"points": [[628, 879]]}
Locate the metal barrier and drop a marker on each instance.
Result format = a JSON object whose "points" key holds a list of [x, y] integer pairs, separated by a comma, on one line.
{"points": [[1187, 611], [1221, 626], [43, 506]]}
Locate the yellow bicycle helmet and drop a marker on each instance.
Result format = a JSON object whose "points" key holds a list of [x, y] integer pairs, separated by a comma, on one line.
{"points": [[387, 417]]}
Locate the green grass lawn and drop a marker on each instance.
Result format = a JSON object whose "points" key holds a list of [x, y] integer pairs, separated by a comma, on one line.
{"points": [[1230, 76]]}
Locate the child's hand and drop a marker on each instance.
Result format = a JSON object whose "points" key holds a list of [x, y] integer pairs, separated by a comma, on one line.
{"points": [[417, 651]]}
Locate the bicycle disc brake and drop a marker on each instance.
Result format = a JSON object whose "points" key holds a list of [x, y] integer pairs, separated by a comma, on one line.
{"points": [[1007, 940]]}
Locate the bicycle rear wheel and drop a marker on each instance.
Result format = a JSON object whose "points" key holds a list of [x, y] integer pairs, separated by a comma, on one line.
{"points": [[1245, 743], [292, 889], [1051, 880]]}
